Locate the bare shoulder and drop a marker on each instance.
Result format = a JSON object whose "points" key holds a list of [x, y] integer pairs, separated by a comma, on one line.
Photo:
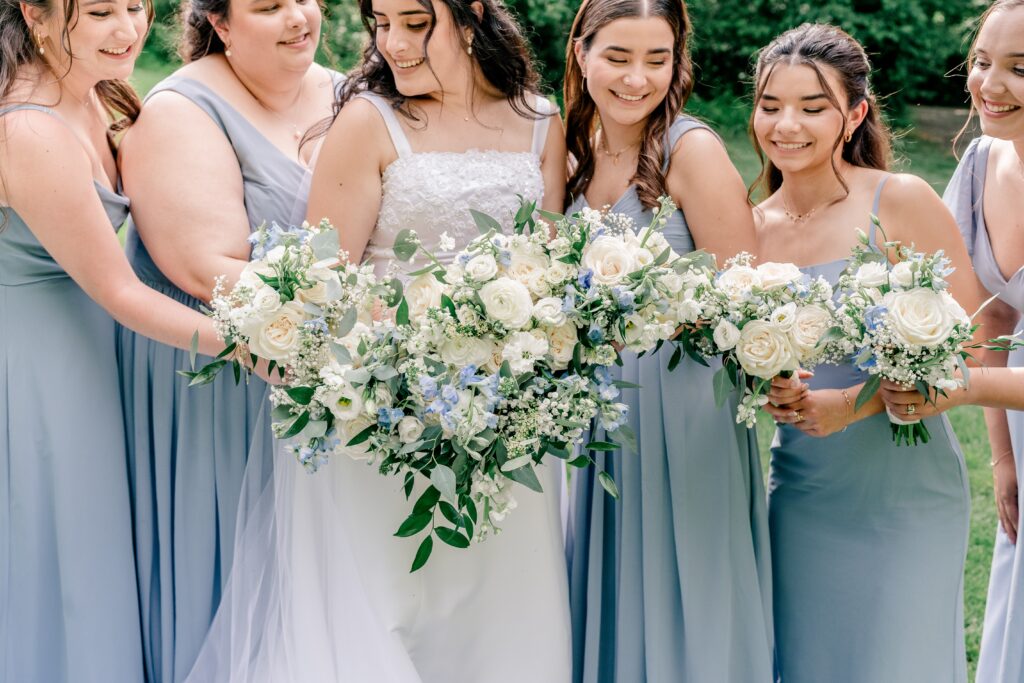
{"points": [[902, 189], [698, 149], [31, 137]]}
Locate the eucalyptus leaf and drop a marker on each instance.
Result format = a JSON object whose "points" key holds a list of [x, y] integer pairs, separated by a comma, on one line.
{"points": [[722, 384], [406, 244], [347, 322], [527, 477], [485, 223], [516, 463], [325, 244], [193, 349], [443, 478]]}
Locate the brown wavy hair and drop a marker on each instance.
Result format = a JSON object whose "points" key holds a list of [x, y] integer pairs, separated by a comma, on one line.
{"points": [[972, 57], [818, 46], [499, 49], [581, 116], [18, 49]]}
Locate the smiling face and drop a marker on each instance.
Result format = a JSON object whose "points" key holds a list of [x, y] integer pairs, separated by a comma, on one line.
{"points": [[795, 123], [996, 80], [285, 31], [105, 38], [628, 68], [420, 66]]}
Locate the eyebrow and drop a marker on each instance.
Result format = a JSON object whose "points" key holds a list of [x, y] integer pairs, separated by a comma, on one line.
{"points": [[401, 14], [808, 98], [655, 51], [1012, 55], [96, 2]]}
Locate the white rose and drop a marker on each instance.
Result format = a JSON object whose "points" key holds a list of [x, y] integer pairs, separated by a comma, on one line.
{"points": [[548, 311], [319, 292], [346, 432], [522, 350], [277, 337], [422, 293], [266, 302], [559, 272], [871, 274], [462, 351], [508, 302], [919, 316], [956, 311], [726, 335], [775, 275], [736, 282], [809, 326], [529, 268], [561, 343], [903, 274], [250, 275], [481, 268], [609, 260], [782, 317], [410, 429], [764, 350]]}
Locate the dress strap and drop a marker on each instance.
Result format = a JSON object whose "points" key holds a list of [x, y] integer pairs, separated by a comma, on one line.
{"points": [[387, 112], [874, 206], [26, 106], [540, 126], [680, 127], [201, 95]]}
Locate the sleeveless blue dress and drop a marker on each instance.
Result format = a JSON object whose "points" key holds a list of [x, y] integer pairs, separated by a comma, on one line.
{"points": [[1002, 638], [68, 610], [189, 447], [868, 547], [672, 582]]}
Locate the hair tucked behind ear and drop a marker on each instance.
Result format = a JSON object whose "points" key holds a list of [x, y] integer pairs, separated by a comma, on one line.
{"points": [[581, 115], [818, 46]]}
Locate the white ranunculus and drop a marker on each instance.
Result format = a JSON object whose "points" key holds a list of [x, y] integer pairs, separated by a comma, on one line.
{"points": [[903, 274], [689, 310], [529, 267], [783, 316], [559, 272], [609, 260], [726, 335], [775, 275], [410, 429], [278, 336], [736, 282], [764, 350], [561, 343], [343, 400], [481, 268], [523, 349], [809, 325], [548, 311], [462, 351], [508, 302], [919, 316], [423, 292], [346, 432], [871, 274]]}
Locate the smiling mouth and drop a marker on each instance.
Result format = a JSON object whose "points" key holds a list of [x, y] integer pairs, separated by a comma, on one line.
{"points": [[296, 40], [994, 108], [409, 63], [115, 52], [628, 98], [791, 145]]}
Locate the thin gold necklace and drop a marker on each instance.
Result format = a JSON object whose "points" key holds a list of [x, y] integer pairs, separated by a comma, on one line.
{"points": [[296, 131], [603, 146], [802, 217]]}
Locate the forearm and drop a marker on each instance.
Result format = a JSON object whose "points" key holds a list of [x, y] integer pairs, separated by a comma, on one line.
{"points": [[158, 317], [996, 388], [873, 406]]}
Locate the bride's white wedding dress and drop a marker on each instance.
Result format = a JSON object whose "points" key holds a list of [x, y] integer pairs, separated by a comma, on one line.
{"points": [[321, 590]]}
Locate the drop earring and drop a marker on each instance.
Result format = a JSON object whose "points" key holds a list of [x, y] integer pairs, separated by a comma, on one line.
{"points": [[227, 50], [39, 44], [469, 49]]}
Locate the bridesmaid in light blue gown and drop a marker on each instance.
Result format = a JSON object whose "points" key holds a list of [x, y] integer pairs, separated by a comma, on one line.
{"points": [[868, 539], [224, 131], [671, 582], [68, 602], [985, 197]]}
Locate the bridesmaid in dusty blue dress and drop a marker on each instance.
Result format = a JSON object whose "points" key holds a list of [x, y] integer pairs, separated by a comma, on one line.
{"points": [[68, 603], [671, 582], [225, 132], [868, 539], [985, 197]]}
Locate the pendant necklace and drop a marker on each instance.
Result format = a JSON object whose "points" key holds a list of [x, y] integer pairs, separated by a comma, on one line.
{"points": [[603, 146]]}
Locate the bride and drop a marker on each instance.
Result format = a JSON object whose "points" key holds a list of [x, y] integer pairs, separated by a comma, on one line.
{"points": [[440, 117]]}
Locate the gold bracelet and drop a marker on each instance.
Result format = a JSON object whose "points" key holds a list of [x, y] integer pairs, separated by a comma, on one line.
{"points": [[849, 406], [993, 463]]}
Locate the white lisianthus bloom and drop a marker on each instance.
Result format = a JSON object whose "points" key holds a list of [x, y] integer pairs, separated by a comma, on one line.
{"points": [[871, 274], [737, 282], [783, 316], [775, 275], [522, 350], [481, 268], [508, 302], [274, 255], [548, 311], [688, 310], [421, 293], [343, 400], [634, 330], [462, 351], [656, 241], [642, 256], [410, 429], [561, 343], [346, 432], [609, 260], [919, 316], [279, 335], [903, 274], [559, 247], [726, 335], [764, 350], [809, 326]]}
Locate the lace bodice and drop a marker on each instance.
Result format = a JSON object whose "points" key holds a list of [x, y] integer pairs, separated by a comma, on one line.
{"points": [[432, 192]]}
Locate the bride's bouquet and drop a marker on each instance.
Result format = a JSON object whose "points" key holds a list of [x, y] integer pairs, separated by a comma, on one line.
{"points": [[898, 321], [763, 321]]}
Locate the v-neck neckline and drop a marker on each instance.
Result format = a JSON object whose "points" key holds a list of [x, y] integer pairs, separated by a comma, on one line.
{"points": [[984, 155]]}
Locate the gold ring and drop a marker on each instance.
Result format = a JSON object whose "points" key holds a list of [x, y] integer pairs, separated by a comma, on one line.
{"points": [[911, 409], [799, 417]]}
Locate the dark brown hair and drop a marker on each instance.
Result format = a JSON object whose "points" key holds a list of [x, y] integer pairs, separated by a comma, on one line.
{"points": [[17, 49], [997, 6], [818, 46], [498, 48], [581, 115]]}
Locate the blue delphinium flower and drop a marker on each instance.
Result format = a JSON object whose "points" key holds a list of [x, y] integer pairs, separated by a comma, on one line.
{"points": [[625, 298], [595, 335], [389, 417], [428, 386], [585, 278], [467, 376], [316, 324], [873, 317]]}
